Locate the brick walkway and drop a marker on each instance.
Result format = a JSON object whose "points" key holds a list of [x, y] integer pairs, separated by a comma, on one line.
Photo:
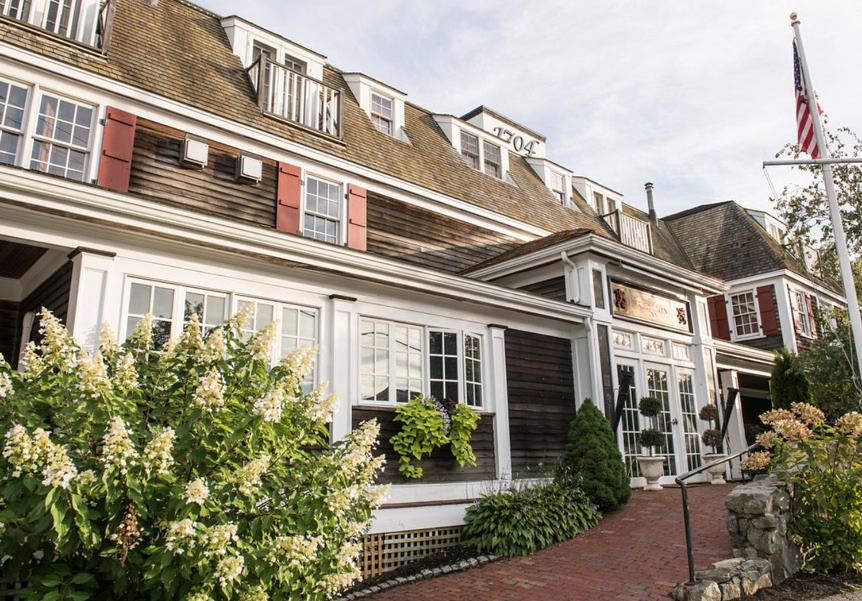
{"points": [[635, 554]]}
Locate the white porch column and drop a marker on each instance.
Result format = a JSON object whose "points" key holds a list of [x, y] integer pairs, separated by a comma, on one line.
{"points": [[736, 427], [92, 292], [499, 394], [341, 360], [785, 315]]}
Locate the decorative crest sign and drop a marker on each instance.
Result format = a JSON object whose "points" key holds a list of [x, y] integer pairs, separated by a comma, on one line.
{"points": [[650, 308]]}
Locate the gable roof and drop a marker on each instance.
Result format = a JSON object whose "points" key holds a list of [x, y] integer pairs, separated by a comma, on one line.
{"points": [[724, 240], [530, 247], [181, 52]]}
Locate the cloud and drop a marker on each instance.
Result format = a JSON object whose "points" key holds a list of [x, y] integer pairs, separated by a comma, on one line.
{"points": [[690, 95]]}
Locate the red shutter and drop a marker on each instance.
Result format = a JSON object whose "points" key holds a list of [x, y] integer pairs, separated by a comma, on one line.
{"points": [[357, 204], [718, 317], [288, 198], [118, 141], [812, 311], [768, 314]]}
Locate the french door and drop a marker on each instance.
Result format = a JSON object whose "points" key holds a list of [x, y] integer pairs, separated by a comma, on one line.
{"points": [[658, 386]]}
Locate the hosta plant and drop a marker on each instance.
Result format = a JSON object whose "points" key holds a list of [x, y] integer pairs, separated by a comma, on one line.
{"points": [[195, 471]]}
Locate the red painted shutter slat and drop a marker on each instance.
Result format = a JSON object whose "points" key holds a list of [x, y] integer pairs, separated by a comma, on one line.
{"points": [[794, 310], [768, 314], [118, 142], [812, 311], [288, 195], [718, 317], [357, 207]]}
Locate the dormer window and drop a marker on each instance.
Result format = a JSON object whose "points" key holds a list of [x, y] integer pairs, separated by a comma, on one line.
{"points": [[558, 187], [470, 149], [493, 163], [83, 21], [381, 113], [294, 63]]}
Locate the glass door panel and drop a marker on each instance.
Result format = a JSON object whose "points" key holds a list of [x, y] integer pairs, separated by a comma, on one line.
{"points": [[688, 411], [657, 386], [630, 421]]}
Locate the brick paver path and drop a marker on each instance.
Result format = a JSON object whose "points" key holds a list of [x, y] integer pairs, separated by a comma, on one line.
{"points": [[637, 553]]}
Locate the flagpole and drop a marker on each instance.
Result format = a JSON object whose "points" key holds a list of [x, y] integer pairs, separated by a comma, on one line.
{"points": [[834, 209]]}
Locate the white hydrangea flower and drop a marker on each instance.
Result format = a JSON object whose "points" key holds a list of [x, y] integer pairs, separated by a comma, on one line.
{"points": [[5, 385], [250, 476], [355, 529], [242, 317], [87, 477], [126, 376], [59, 470], [158, 454], [218, 539], [260, 346], [321, 408], [142, 335], [347, 553], [58, 348], [119, 450], [300, 361], [215, 347], [338, 581], [107, 341], [199, 596], [270, 406], [94, 375], [294, 551], [229, 570], [181, 536], [20, 451], [197, 491], [210, 392], [31, 363], [375, 495], [339, 502], [192, 340]]}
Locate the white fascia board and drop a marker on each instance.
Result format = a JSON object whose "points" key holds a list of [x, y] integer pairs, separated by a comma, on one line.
{"points": [[791, 275], [628, 258], [256, 141], [741, 351], [36, 192]]}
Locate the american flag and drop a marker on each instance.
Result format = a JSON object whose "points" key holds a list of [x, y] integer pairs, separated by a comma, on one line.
{"points": [[804, 118]]}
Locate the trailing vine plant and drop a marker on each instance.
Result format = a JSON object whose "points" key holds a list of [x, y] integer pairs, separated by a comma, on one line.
{"points": [[427, 424]]}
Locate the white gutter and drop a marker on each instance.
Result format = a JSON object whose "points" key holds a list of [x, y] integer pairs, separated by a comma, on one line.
{"points": [[37, 192], [575, 291]]}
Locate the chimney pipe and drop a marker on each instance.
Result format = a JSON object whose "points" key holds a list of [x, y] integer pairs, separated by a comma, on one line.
{"points": [[650, 203]]}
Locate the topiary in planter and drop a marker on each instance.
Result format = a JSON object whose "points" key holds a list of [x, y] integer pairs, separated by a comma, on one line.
{"points": [[649, 406], [651, 439], [592, 456]]}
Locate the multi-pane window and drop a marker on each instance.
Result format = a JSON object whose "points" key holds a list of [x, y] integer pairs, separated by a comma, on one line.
{"points": [[470, 149], [16, 9], [630, 419], [210, 309], [802, 315], [151, 299], [408, 362], [473, 370], [744, 313], [381, 113], [657, 387], [493, 163], [62, 137], [267, 55], [443, 365], [261, 316], [558, 187], [375, 370], [685, 382], [13, 100], [294, 63], [322, 210], [59, 16]]}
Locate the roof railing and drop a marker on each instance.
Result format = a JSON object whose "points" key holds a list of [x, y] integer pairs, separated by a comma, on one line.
{"points": [[631, 231], [296, 97], [86, 22]]}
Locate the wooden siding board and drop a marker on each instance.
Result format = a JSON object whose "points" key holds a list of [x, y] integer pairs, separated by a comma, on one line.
{"points": [[53, 294], [158, 175], [440, 466], [554, 288], [541, 399]]}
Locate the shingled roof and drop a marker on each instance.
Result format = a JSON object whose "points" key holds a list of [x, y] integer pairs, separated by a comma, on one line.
{"points": [[181, 52], [724, 240]]}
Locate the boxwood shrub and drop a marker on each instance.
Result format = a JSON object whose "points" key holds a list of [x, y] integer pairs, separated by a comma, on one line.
{"points": [[525, 519]]}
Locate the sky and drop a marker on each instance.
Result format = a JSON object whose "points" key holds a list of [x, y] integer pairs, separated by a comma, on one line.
{"points": [[690, 94]]}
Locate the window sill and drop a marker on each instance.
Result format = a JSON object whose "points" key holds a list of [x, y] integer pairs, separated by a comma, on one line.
{"points": [[392, 407], [747, 337]]}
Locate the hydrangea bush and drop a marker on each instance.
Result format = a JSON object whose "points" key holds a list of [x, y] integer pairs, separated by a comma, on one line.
{"points": [[822, 463], [194, 472]]}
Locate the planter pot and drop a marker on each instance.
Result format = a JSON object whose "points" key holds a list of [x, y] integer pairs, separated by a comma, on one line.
{"points": [[716, 473], [652, 468]]}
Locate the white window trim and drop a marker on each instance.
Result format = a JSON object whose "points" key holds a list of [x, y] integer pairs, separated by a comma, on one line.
{"points": [[390, 119], [278, 307], [484, 139], [426, 362], [732, 322], [794, 310], [342, 218]]}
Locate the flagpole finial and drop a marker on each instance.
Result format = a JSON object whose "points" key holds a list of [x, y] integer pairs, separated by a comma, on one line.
{"points": [[794, 18]]}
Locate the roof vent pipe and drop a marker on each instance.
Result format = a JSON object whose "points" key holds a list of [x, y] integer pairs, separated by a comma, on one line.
{"points": [[650, 203]]}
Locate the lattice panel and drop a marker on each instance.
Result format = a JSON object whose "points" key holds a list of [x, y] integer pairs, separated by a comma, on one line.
{"points": [[10, 590], [386, 551]]}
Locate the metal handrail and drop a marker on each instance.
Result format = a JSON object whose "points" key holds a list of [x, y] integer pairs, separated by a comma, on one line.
{"points": [[681, 481]]}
